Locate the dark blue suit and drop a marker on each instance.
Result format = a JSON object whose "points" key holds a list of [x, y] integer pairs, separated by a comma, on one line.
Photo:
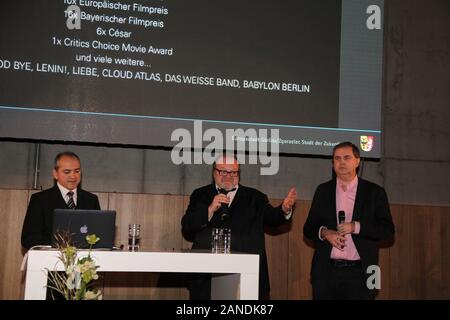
{"points": [[371, 209]]}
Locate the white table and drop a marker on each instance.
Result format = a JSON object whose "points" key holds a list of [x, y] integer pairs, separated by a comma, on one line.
{"points": [[235, 276]]}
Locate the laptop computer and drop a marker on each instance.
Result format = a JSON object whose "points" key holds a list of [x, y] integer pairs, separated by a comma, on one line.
{"points": [[79, 223]]}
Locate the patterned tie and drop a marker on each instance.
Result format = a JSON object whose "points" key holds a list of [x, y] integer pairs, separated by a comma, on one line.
{"points": [[70, 203]]}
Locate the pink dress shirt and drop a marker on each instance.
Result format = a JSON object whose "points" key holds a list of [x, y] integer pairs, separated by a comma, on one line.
{"points": [[345, 201]]}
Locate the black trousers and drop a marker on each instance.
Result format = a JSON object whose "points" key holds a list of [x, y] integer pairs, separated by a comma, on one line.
{"points": [[199, 286], [342, 283]]}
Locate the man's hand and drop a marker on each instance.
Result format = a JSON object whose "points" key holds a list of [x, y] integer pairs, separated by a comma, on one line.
{"points": [[216, 204], [346, 228], [334, 238], [289, 201]]}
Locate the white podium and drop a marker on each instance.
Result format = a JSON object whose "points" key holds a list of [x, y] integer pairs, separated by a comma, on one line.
{"points": [[234, 276]]}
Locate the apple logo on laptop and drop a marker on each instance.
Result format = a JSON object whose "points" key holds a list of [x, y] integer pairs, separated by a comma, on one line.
{"points": [[84, 229]]}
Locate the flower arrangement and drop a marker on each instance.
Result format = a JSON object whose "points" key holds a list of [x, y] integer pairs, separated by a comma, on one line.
{"points": [[75, 283]]}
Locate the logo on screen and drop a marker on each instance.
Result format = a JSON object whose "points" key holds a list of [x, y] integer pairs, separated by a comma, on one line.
{"points": [[366, 143], [84, 229]]}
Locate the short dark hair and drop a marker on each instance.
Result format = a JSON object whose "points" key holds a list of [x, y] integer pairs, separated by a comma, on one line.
{"points": [[69, 154], [345, 144]]}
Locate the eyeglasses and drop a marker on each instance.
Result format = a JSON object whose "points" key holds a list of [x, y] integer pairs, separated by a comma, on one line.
{"points": [[223, 173]]}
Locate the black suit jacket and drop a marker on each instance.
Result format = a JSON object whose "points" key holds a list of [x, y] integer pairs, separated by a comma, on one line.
{"points": [[371, 209], [38, 223], [249, 212]]}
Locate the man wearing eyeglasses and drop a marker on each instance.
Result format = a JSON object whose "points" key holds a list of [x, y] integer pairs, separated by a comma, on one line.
{"points": [[245, 210]]}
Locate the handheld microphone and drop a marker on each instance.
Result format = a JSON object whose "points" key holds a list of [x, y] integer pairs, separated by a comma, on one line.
{"points": [[224, 210], [341, 217]]}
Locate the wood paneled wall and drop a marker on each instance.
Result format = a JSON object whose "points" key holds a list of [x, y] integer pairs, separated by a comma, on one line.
{"points": [[13, 205], [415, 266]]}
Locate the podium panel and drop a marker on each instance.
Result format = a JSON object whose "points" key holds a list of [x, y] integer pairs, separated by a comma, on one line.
{"points": [[234, 276]]}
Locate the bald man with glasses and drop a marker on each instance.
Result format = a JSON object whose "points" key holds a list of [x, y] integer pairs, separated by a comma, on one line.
{"points": [[226, 203]]}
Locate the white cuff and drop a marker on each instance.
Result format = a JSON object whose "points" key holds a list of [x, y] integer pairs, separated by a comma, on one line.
{"points": [[320, 231], [288, 215]]}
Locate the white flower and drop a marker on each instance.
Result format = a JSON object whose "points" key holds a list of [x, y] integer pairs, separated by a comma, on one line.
{"points": [[70, 281], [79, 273]]}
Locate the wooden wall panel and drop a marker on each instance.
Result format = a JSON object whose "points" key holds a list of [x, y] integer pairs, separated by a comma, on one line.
{"points": [[415, 266], [277, 249], [445, 251], [432, 253], [159, 217], [185, 244], [300, 256], [384, 292], [419, 256], [13, 205], [103, 199]]}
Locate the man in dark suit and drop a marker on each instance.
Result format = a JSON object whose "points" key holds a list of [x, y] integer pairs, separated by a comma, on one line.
{"points": [[348, 217], [245, 210], [65, 194]]}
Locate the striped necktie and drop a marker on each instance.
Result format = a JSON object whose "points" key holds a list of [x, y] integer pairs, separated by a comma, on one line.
{"points": [[70, 202]]}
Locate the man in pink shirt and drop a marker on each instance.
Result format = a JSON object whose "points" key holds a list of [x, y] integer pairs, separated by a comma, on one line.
{"points": [[348, 217]]}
